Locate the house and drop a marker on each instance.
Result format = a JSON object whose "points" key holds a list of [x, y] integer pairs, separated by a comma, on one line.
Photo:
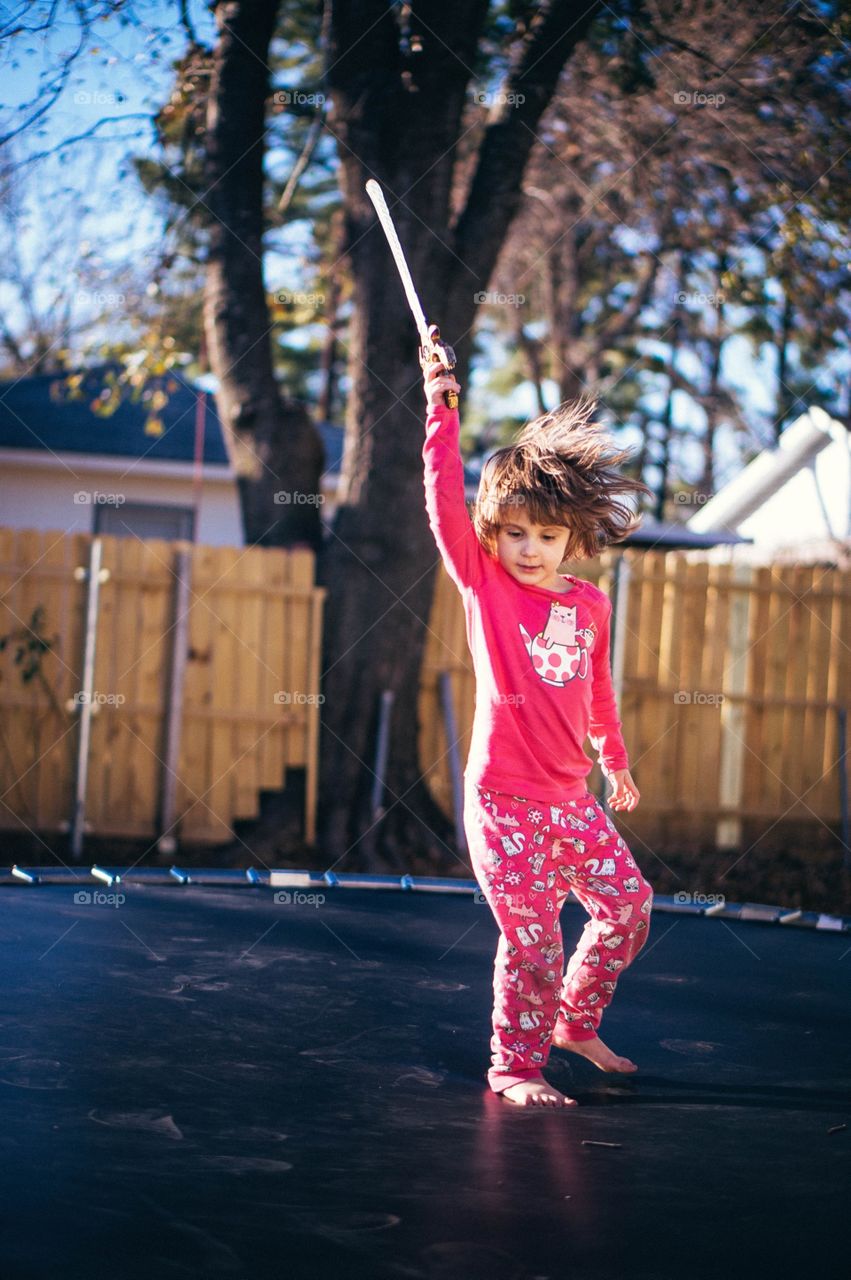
{"points": [[151, 472], [163, 470], [158, 470], [791, 503]]}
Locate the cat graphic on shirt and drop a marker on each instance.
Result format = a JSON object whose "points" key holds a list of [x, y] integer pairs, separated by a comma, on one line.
{"points": [[559, 653]]}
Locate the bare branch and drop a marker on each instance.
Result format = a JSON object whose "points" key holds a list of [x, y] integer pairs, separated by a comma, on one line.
{"points": [[496, 192], [82, 137]]}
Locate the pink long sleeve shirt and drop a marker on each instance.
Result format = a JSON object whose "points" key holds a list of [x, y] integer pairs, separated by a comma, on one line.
{"points": [[541, 657]]}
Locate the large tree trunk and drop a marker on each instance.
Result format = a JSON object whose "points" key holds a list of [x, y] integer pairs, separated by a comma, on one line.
{"points": [[277, 451], [399, 119]]}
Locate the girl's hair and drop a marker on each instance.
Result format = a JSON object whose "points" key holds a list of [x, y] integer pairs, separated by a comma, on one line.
{"points": [[560, 470]]}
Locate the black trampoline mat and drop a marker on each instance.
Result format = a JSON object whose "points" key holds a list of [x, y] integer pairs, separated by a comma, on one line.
{"points": [[206, 1082]]}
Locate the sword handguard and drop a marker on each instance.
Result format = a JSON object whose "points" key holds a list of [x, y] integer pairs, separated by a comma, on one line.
{"points": [[438, 352]]}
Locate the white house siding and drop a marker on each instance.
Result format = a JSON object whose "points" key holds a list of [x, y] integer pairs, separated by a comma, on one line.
{"points": [[37, 491]]}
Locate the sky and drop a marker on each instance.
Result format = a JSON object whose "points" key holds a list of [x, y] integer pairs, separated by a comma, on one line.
{"points": [[103, 211]]}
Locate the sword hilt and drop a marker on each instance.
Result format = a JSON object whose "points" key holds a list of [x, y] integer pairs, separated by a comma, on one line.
{"points": [[435, 351]]}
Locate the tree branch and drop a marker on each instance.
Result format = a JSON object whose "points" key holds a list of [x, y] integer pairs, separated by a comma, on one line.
{"points": [[622, 322], [496, 190], [83, 137]]}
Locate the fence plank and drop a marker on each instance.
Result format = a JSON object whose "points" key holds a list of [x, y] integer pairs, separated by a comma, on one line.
{"points": [[733, 685], [301, 571], [799, 581], [715, 647], [247, 733], [272, 744], [226, 653], [815, 767]]}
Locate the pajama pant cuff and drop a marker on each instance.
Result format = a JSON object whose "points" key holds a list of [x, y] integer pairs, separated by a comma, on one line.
{"points": [[564, 1034], [499, 1081]]}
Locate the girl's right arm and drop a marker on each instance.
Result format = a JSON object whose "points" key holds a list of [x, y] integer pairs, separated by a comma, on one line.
{"points": [[450, 523]]}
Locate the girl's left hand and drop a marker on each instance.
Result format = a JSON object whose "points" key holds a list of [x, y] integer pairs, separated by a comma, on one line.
{"points": [[625, 794]]}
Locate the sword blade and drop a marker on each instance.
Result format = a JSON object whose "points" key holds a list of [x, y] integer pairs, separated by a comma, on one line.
{"points": [[376, 195]]}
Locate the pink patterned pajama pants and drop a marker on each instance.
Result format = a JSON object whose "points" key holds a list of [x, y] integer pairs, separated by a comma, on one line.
{"points": [[526, 856]]}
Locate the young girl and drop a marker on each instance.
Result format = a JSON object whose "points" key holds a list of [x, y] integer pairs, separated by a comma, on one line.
{"points": [[540, 646]]}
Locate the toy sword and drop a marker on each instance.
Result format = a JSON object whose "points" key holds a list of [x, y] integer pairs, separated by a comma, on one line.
{"points": [[432, 349]]}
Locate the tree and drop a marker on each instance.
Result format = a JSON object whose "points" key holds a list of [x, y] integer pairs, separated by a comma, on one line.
{"points": [[277, 448], [400, 87], [686, 157]]}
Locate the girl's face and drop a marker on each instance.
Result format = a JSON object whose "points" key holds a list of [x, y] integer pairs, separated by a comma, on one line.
{"points": [[531, 553]]}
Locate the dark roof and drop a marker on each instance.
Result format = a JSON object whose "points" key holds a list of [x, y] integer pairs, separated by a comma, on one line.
{"points": [[37, 413], [669, 537]]}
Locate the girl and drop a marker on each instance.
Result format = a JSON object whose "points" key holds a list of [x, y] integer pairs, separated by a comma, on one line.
{"points": [[540, 646]]}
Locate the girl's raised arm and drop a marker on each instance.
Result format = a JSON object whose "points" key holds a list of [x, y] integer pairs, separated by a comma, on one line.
{"points": [[443, 477]]}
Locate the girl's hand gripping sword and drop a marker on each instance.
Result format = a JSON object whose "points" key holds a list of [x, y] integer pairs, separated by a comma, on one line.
{"points": [[432, 349]]}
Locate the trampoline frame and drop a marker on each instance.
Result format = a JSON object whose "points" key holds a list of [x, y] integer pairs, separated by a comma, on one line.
{"points": [[286, 878]]}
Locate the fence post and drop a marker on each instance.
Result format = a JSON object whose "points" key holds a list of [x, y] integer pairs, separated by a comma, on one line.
{"points": [[728, 830], [450, 723], [381, 748], [842, 714], [314, 649]]}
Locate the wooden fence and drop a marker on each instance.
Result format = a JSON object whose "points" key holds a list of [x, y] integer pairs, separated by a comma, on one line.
{"points": [[730, 683], [240, 659]]}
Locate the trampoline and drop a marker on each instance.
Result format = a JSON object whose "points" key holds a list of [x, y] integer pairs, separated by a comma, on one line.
{"points": [[202, 1077]]}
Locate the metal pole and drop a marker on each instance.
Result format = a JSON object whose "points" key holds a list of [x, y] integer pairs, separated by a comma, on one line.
{"points": [[94, 575], [167, 843], [843, 785], [381, 748], [445, 681]]}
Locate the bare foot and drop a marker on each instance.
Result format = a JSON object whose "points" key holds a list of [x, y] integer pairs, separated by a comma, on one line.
{"points": [[537, 1093], [598, 1053]]}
